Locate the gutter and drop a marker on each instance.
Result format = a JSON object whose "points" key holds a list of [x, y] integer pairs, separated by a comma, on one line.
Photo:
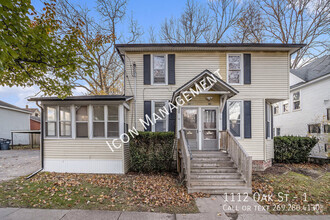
{"points": [[41, 143]]}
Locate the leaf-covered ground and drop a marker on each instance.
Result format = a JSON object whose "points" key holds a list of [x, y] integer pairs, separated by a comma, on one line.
{"points": [[132, 192], [307, 186]]}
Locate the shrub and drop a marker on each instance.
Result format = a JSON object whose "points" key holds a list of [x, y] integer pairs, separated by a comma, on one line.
{"points": [[293, 149], [152, 152]]}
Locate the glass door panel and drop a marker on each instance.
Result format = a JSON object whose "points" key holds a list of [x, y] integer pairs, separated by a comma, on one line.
{"points": [[190, 126], [210, 135]]}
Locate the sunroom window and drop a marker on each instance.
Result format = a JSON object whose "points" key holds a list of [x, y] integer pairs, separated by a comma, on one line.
{"points": [[51, 119], [235, 69], [235, 116], [81, 121], [65, 121], [98, 121], [159, 69], [113, 121]]}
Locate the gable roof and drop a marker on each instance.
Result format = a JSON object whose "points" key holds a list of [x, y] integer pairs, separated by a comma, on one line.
{"points": [[221, 83], [292, 48], [6, 105], [318, 68], [31, 109], [34, 118]]}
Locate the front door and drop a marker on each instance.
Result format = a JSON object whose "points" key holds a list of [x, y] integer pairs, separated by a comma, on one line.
{"points": [[209, 129], [190, 126], [200, 125]]}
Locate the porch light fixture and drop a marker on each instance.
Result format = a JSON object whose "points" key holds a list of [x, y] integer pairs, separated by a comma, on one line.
{"points": [[209, 98]]}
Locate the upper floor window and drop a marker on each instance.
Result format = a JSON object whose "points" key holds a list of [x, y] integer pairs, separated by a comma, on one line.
{"points": [[235, 117], [234, 66], [161, 124], [276, 109], [159, 75], [314, 128], [51, 119], [285, 107], [296, 100]]}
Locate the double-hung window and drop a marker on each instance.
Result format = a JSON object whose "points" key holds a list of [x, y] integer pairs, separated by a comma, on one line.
{"points": [[159, 72], [81, 121], [326, 129], [65, 121], [235, 67], [51, 121], [113, 121], [285, 107], [276, 109], [296, 100], [314, 128], [98, 121], [161, 124], [235, 117]]}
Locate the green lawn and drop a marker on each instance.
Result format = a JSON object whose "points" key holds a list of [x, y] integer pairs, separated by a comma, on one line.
{"points": [[134, 192], [307, 188]]}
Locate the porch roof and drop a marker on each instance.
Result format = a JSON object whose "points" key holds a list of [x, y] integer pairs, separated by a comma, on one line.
{"points": [[85, 98], [220, 87]]}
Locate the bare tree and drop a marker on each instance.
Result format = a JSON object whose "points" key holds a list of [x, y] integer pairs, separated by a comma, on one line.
{"points": [[250, 27], [152, 37], [189, 27], [299, 21], [225, 13], [102, 63]]}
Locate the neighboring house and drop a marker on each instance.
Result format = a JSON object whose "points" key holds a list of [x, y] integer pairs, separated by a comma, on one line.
{"points": [[13, 118], [34, 123], [307, 112], [34, 111], [232, 112]]}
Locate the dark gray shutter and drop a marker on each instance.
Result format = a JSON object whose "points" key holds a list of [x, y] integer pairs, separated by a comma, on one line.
{"points": [[147, 111], [247, 68], [266, 115], [172, 120], [224, 118], [146, 69], [247, 119], [271, 121], [171, 69]]}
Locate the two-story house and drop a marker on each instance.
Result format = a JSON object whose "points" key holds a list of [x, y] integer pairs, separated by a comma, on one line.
{"points": [[222, 117], [307, 111]]}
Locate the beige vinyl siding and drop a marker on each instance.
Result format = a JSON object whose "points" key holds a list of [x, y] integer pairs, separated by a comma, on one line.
{"points": [[269, 149], [269, 80], [126, 158], [80, 149]]}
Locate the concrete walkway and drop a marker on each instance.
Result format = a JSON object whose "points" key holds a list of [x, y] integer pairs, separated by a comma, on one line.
{"points": [[57, 214]]}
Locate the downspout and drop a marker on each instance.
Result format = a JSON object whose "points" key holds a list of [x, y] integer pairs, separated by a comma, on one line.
{"points": [[41, 142]]}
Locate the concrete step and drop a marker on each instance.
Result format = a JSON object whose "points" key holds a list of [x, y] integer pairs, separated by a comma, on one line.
{"points": [[214, 170], [196, 164], [216, 175], [220, 189], [223, 182]]}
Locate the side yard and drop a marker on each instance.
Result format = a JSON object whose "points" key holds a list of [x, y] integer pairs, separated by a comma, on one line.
{"points": [[306, 185]]}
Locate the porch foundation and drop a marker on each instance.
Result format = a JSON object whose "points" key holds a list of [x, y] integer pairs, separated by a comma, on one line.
{"points": [[261, 165]]}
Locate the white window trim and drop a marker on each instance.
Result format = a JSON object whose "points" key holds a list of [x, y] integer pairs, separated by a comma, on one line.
{"points": [[279, 109], [46, 122], [320, 127], [241, 120], [296, 101], [241, 78], [152, 69], [153, 111]]}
